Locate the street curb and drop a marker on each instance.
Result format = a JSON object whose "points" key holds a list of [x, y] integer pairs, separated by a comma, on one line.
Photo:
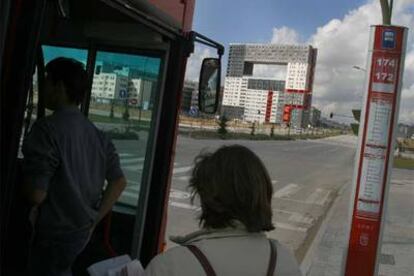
{"points": [[306, 262]]}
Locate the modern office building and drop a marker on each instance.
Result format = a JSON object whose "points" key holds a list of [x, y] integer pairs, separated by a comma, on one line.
{"points": [[264, 99]]}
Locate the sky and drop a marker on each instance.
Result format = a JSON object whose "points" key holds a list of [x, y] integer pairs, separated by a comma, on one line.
{"points": [[339, 29]]}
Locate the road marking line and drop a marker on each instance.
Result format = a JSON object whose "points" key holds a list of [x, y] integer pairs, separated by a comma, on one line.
{"points": [[132, 188], [287, 190], [184, 205], [179, 194], [299, 218], [182, 169], [130, 194], [401, 181], [274, 181], [294, 200], [135, 167], [318, 197], [125, 154], [183, 178], [133, 182], [290, 227], [132, 160]]}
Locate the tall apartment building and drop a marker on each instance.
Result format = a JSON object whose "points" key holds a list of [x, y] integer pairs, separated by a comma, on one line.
{"points": [[264, 99], [109, 86], [140, 92], [115, 82]]}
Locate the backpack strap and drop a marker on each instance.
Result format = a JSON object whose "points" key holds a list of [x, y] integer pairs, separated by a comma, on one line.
{"points": [[202, 259], [273, 259]]}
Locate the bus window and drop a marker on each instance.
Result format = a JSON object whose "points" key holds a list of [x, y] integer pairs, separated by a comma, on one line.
{"points": [[52, 52], [122, 104]]}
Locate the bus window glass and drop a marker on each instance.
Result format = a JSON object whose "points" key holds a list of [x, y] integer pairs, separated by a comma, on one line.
{"points": [[52, 52], [122, 105], [49, 53]]}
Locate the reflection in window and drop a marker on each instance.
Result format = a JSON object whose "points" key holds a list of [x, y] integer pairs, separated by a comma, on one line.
{"points": [[123, 98], [31, 110]]}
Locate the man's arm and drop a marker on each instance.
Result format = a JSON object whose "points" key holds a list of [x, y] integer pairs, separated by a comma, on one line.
{"points": [[41, 160], [33, 195], [110, 196]]}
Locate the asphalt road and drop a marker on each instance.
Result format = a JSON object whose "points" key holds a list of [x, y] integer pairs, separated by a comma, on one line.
{"points": [[306, 175]]}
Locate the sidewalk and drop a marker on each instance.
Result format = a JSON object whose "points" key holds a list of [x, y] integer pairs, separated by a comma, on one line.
{"points": [[397, 258]]}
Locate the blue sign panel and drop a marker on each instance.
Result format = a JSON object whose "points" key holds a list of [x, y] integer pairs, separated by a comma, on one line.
{"points": [[123, 93], [193, 111], [388, 39]]}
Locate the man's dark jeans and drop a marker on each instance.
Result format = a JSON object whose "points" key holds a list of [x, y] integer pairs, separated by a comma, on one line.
{"points": [[54, 255]]}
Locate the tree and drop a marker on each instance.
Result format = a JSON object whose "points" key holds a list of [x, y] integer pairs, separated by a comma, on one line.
{"points": [[253, 127], [111, 113], [125, 115], [272, 130], [222, 131], [357, 116]]}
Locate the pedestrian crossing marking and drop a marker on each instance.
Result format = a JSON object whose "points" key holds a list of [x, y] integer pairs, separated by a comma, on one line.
{"points": [[179, 194], [287, 226], [287, 190], [182, 169], [132, 160], [184, 205], [318, 197], [183, 178]]}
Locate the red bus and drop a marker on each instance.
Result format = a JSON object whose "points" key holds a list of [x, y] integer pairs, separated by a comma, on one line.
{"points": [[135, 53]]}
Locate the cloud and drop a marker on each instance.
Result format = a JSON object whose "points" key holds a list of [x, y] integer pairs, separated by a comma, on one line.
{"points": [[195, 61], [285, 35], [343, 43]]}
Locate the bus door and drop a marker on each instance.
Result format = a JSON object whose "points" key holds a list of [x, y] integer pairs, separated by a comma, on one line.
{"points": [[136, 66]]}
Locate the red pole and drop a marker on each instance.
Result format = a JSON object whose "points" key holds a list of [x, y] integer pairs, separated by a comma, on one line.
{"points": [[375, 148]]}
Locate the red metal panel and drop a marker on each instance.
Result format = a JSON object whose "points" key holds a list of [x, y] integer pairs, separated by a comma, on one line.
{"points": [[269, 106], [180, 10]]}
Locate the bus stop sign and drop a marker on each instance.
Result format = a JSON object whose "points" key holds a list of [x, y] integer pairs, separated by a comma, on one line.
{"points": [[375, 148]]}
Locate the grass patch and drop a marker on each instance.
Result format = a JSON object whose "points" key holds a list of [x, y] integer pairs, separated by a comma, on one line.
{"points": [[403, 163], [127, 135], [236, 136], [205, 134]]}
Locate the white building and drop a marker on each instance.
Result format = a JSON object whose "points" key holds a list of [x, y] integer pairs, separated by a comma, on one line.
{"points": [[263, 99], [109, 86], [139, 92]]}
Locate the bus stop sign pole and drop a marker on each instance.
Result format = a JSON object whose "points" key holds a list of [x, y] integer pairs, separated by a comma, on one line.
{"points": [[375, 148]]}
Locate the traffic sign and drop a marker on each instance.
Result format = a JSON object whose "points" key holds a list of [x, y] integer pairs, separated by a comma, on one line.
{"points": [[123, 93], [375, 149], [193, 111]]}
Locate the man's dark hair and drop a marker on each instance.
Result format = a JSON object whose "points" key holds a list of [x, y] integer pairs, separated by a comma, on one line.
{"points": [[72, 74], [233, 184]]}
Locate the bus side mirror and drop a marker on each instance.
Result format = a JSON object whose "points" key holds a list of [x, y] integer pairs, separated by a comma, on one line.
{"points": [[209, 85]]}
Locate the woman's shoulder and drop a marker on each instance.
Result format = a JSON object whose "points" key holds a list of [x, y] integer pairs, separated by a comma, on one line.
{"points": [[170, 262], [286, 263]]}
